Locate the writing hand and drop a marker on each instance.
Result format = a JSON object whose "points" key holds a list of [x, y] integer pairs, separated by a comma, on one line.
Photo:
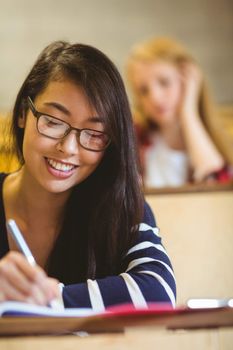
{"points": [[19, 281]]}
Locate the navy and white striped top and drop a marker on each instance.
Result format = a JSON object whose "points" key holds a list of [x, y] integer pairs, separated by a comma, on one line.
{"points": [[146, 276]]}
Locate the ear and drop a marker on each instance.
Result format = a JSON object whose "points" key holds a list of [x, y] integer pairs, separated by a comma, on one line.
{"points": [[22, 122]]}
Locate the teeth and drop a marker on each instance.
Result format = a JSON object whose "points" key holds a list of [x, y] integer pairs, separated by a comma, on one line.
{"points": [[60, 166]]}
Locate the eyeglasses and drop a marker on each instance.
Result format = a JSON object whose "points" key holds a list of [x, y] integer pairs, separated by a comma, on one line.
{"points": [[55, 128]]}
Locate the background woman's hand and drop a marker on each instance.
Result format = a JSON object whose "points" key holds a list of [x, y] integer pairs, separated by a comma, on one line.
{"points": [[20, 281], [191, 79]]}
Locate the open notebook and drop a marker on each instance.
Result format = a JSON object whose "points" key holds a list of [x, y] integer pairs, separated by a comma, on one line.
{"points": [[14, 308], [20, 318]]}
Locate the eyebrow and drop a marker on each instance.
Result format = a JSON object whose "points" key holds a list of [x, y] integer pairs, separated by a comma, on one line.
{"points": [[58, 106]]}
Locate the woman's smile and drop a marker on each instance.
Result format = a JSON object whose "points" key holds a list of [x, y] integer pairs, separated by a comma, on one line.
{"points": [[59, 168]]}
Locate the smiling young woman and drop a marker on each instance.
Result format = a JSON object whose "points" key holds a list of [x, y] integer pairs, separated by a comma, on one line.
{"points": [[77, 197]]}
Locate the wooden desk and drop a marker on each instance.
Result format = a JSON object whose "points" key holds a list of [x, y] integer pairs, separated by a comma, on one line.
{"points": [[149, 333], [140, 339]]}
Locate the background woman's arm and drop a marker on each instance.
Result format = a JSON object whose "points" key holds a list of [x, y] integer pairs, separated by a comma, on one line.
{"points": [[204, 156]]}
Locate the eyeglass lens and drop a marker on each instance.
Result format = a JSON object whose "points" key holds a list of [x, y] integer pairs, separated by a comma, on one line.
{"points": [[55, 128]]}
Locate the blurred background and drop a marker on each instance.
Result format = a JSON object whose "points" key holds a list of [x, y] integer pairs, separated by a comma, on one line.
{"points": [[204, 26]]}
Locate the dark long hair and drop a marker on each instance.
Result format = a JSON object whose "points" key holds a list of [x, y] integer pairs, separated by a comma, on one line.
{"points": [[103, 212]]}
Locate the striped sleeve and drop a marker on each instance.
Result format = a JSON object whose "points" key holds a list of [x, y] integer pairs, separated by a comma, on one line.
{"points": [[147, 276]]}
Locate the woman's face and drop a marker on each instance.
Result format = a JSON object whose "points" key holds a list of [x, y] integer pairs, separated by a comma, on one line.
{"points": [[157, 89], [58, 165]]}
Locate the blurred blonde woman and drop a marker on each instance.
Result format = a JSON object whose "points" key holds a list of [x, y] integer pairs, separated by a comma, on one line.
{"points": [[172, 115]]}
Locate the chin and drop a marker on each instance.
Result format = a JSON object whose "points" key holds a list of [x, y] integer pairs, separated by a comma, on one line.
{"points": [[57, 186], [164, 119]]}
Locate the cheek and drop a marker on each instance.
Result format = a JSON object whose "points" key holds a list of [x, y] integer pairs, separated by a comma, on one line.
{"points": [[143, 101], [175, 93], [35, 145], [29, 139], [93, 158], [33, 141]]}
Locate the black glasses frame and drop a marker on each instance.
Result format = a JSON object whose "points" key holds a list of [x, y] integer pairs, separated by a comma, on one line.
{"points": [[38, 114]]}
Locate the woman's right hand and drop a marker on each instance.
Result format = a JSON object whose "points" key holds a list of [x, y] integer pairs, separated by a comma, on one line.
{"points": [[19, 281], [192, 79]]}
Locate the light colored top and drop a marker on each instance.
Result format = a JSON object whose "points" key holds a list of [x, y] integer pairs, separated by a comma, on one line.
{"points": [[165, 166]]}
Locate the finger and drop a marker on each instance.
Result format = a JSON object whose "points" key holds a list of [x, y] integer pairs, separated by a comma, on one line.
{"points": [[2, 296], [18, 274], [10, 272], [57, 301], [16, 270], [27, 281], [32, 273], [50, 288], [37, 296], [54, 288], [42, 294], [8, 292], [13, 294], [16, 287], [40, 289], [193, 72], [15, 278]]}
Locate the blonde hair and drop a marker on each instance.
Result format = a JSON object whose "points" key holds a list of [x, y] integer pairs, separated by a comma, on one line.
{"points": [[159, 48], [172, 51]]}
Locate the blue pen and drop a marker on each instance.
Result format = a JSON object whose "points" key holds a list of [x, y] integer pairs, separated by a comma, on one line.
{"points": [[19, 240], [23, 247]]}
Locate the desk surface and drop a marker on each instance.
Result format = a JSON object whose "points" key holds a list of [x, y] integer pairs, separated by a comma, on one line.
{"points": [[180, 318], [136, 340]]}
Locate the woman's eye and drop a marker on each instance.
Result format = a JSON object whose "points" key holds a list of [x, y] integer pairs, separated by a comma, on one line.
{"points": [[143, 91], [94, 134], [52, 122], [165, 82]]}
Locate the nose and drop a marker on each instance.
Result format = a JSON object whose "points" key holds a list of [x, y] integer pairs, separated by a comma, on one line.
{"points": [[69, 144], [156, 94]]}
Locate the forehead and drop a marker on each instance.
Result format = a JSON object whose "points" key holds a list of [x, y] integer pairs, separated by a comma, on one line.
{"points": [[145, 70], [67, 94]]}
